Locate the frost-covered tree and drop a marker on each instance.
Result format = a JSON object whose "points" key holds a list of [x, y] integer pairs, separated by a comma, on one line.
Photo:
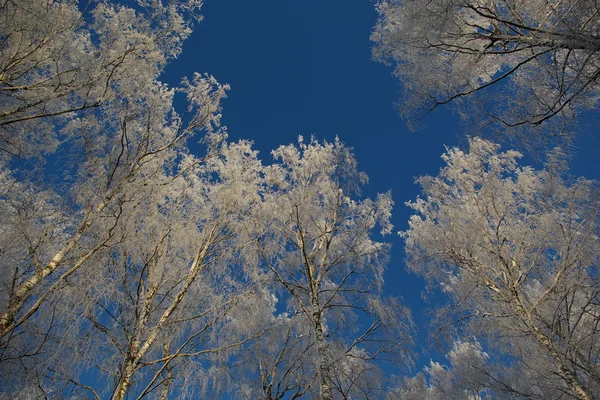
{"points": [[473, 374], [519, 65], [94, 190], [187, 296], [86, 127], [60, 57], [517, 251], [149, 315], [130, 268], [467, 377], [278, 365], [314, 236]]}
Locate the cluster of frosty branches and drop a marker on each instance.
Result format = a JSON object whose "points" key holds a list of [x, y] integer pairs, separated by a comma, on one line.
{"points": [[131, 267]]}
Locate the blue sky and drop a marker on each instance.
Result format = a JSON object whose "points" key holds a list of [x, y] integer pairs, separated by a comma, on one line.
{"points": [[304, 68]]}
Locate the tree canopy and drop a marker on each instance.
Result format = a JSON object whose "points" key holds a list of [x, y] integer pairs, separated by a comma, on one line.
{"points": [[515, 66], [517, 252], [146, 254]]}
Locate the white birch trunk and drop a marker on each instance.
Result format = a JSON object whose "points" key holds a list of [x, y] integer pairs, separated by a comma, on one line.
{"points": [[136, 351]]}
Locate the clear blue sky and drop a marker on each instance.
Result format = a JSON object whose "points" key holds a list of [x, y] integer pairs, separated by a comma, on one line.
{"points": [[304, 68]]}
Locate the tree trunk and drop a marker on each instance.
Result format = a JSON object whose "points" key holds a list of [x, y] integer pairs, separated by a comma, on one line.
{"points": [[324, 379], [21, 293], [138, 351], [570, 379], [164, 395], [125, 381], [19, 296], [564, 372]]}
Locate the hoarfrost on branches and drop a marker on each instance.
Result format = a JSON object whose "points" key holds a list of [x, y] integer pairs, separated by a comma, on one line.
{"points": [[517, 251], [517, 66], [313, 234]]}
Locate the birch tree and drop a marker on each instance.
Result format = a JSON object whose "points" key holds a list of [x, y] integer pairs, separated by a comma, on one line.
{"points": [[515, 65], [82, 101], [93, 160], [316, 243], [172, 293], [56, 60], [280, 364], [516, 250], [193, 292], [469, 372], [466, 377]]}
